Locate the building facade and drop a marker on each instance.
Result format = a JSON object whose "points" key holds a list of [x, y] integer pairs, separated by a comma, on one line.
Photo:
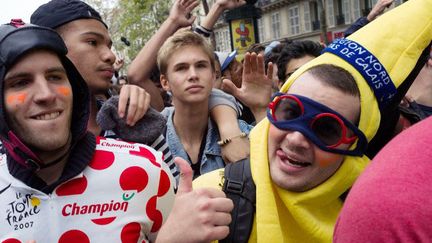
{"points": [[299, 20]]}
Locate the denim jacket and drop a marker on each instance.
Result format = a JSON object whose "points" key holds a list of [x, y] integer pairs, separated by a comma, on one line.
{"points": [[212, 157]]}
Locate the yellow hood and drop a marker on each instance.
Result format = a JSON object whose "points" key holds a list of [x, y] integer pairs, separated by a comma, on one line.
{"points": [[397, 40]]}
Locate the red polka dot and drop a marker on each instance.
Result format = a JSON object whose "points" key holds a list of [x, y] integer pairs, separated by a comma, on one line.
{"points": [[102, 160], [131, 233], [146, 154], [73, 187], [133, 178], [154, 214], [11, 240], [164, 183], [73, 236], [103, 221]]}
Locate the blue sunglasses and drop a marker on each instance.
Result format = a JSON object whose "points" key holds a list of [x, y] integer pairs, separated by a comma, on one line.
{"points": [[323, 126]]}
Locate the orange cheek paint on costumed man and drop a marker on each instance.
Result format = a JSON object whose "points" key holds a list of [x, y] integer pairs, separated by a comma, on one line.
{"points": [[326, 159]]}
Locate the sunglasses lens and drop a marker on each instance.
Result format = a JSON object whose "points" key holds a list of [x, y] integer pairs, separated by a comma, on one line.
{"points": [[287, 109], [327, 129]]}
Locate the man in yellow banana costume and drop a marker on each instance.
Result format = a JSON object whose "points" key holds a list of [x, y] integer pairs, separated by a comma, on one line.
{"points": [[308, 151]]}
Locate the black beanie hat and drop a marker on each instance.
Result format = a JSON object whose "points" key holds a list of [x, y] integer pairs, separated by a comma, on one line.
{"points": [[59, 12]]}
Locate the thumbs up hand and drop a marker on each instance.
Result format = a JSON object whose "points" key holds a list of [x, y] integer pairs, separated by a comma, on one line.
{"points": [[186, 175], [200, 215]]}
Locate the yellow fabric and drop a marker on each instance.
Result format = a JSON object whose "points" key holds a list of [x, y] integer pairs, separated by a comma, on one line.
{"points": [[296, 217], [213, 179], [397, 39]]}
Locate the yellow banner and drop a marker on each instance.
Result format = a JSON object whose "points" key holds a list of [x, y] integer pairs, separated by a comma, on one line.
{"points": [[243, 35]]}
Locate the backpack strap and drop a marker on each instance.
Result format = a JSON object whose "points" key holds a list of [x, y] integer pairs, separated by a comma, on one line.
{"points": [[240, 188]]}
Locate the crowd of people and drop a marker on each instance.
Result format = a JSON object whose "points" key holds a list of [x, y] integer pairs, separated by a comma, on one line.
{"points": [[296, 142]]}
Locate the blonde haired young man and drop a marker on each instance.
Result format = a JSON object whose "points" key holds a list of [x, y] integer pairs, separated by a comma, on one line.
{"points": [[186, 63]]}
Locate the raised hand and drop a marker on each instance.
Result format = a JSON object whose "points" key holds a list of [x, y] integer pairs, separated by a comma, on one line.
{"points": [[230, 4], [217, 9], [180, 13], [201, 215], [118, 64], [256, 88], [137, 102], [379, 8]]}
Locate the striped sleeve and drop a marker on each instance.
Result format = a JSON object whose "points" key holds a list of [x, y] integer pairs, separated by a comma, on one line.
{"points": [[161, 145]]}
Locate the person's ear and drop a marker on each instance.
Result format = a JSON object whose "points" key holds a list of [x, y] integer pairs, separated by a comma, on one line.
{"points": [[429, 61], [164, 83], [215, 75]]}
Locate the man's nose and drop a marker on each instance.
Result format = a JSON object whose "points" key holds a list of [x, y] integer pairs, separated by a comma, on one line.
{"points": [[193, 74], [298, 140], [108, 56], [43, 91]]}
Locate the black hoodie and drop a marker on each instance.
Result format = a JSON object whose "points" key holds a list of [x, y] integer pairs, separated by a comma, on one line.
{"points": [[16, 40]]}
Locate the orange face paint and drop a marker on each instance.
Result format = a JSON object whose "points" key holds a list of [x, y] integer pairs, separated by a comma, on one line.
{"points": [[10, 99], [16, 98], [327, 159], [66, 91], [21, 98]]}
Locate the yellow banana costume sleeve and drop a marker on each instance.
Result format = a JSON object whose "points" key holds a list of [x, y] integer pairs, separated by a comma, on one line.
{"points": [[380, 56]]}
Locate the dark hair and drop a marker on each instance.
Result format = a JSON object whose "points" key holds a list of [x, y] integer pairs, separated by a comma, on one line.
{"points": [[275, 53], [336, 77], [256, 47], [155, 78], [296, 49], [155, 75]]}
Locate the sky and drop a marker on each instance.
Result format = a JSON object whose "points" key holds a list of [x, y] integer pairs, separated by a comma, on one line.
{"points": [[18, 9]]}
